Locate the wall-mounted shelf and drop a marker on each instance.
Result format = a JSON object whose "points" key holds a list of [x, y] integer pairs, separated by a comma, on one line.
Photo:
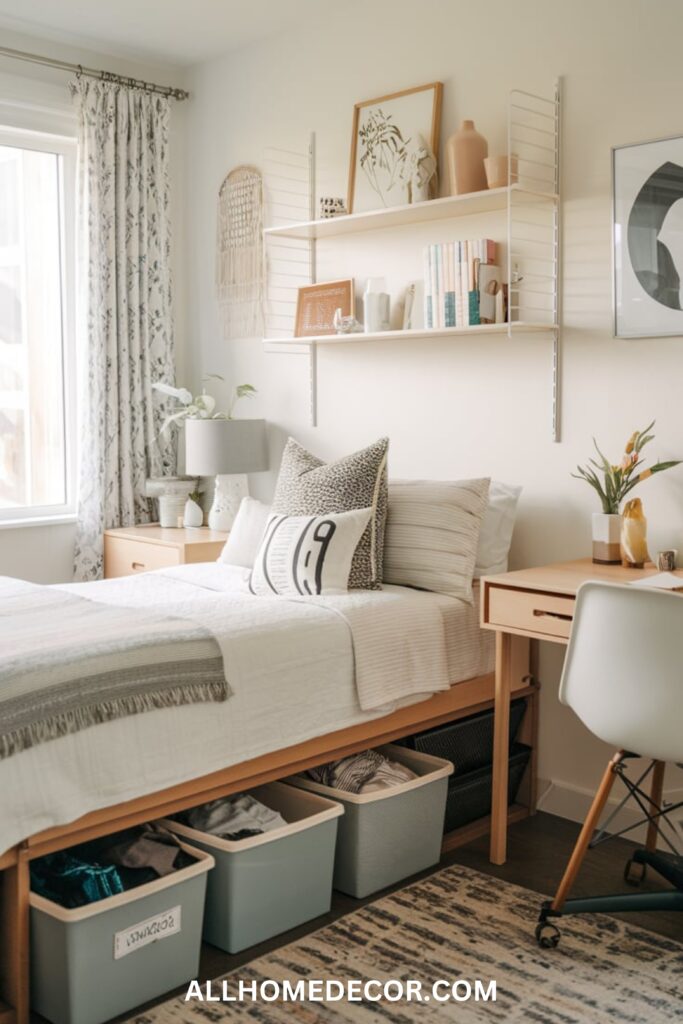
{"points": [[416, 213], [362, 338]]}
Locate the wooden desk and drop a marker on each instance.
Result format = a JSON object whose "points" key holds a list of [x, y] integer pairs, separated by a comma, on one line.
{"points": [[536, 604]]}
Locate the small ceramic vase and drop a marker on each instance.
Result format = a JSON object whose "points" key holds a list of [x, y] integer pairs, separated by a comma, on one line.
{"points": [[465, 155], [496, 168], [634, 551], [606, 538], [193, 515]]}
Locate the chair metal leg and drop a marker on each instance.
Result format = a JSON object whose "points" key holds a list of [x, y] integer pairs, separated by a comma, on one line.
{"points": [[656, 792]]}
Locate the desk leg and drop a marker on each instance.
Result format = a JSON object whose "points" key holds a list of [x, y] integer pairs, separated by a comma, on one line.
{"points": [[14, 942], [512, 661]]}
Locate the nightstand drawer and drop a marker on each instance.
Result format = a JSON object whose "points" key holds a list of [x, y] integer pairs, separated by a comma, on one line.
{"points": [[124, 557], [531, 612]]}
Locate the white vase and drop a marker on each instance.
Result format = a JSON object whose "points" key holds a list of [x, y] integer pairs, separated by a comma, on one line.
{"points": [[170, 509], [193, 515], [606, 538]]}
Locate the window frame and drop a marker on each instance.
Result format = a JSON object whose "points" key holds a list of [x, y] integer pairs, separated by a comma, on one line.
{"points": [[64, 146]]}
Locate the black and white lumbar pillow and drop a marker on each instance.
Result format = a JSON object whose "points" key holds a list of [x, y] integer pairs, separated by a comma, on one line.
{"points": [[307, 555], [307, 486]]}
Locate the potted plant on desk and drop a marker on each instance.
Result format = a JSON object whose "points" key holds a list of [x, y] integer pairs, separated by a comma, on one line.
{"points": [[612, 484]]}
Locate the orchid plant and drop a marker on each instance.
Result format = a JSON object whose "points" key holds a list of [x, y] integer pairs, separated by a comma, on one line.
{"points": [[201, 407], [613, 483]]}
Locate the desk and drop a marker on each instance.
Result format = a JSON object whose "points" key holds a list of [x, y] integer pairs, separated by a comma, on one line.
{"points": [[536, 604]]}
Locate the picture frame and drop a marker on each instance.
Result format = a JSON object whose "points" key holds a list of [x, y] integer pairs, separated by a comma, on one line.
{"points": [[387, 134], [647, 238], [316, 305]]}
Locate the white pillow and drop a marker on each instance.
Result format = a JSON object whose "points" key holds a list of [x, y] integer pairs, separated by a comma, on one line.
{"points": [[246, 533], [432, 534], [308, 554], [497, 525]]}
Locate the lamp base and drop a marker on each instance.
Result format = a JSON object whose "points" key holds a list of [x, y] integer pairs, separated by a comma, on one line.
{"points": [[230, 489]]}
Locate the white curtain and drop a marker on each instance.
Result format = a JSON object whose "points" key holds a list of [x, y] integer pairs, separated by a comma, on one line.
{"points": [[125, 328]]}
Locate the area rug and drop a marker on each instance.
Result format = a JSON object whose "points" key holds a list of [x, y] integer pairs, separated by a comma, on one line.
{"points": [[459, 924]]}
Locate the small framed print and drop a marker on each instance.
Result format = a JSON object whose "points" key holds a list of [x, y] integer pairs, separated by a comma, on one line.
{"points": [[390, 135], [647, 238], [316, 305]]}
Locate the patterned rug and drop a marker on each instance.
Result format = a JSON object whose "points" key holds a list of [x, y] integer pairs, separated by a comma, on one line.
{"points": [[460, 924]]}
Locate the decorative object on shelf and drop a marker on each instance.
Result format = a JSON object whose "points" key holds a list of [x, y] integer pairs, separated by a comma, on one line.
{"points": [[331, 207], [240, 261], [666, 560], [466, 151], [389, 136], [413, 307], [201, 407], [193, 513], [616, 483], [497, 169], [345, 324], [634, 551], [317, 304], [451, 270], [418, 172], [171, 494], [227, 449], [376, 306], [647, 183], [490, 288]]}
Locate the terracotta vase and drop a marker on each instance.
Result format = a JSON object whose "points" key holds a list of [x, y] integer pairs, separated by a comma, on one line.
{"points": [[465, 155]]}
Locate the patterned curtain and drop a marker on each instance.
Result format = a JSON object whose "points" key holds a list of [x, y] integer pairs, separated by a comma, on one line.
{"points": [[125, 324]]}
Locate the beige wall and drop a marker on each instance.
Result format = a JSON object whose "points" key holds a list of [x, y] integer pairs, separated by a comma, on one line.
{"points": [[475, 406], [37, 97]]}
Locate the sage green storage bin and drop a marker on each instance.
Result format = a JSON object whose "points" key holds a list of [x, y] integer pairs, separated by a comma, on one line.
{"points": [[94, 962], [393, 833], [272, 882]]}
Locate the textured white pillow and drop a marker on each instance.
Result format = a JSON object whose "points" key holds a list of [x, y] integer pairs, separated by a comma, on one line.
{"points": [[246, 533], [432, 534], [308, 554], [496, 529]]}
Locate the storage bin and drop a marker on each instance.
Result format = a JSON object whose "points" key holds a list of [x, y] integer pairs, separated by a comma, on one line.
{"points": [[468, 743], [469, 794], [91, 963], [272, 882], [390, 834]]}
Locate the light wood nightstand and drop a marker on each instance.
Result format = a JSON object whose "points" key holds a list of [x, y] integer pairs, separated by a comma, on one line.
{"points": [[132, 549]]}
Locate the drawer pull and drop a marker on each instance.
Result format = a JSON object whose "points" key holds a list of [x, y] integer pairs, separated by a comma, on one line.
{"points": [[540, 614], [137, 565]]}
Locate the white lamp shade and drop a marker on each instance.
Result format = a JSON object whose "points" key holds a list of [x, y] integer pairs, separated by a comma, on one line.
{"points": [[215, 447]]}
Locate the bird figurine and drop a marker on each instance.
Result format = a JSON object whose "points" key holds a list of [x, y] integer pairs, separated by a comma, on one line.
{"points": [[634, 551]]}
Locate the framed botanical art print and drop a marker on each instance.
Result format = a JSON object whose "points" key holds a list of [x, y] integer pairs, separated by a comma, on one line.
{"points": [[394, 139], [647, 183]]}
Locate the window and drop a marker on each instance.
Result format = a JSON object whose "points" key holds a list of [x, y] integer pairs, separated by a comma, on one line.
{"points": [[37, 352]]}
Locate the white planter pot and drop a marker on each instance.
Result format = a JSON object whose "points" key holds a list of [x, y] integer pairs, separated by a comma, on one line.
{"points": [[193, 515], [606, 538]]}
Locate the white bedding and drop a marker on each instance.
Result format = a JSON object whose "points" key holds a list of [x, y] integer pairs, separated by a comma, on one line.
{"points": [[304, 687]]}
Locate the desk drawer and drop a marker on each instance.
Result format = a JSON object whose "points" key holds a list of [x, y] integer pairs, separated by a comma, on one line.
{"points": [[124, 557], [530, 611]]}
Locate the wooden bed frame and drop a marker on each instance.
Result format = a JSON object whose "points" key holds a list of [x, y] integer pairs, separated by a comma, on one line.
{"points": [[464, 698]]}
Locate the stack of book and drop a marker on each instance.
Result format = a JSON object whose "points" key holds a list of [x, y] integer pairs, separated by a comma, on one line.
{"points": [[452, 281]]}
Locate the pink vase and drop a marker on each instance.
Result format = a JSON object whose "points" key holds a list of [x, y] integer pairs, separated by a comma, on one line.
{"points": [[465, 155]]}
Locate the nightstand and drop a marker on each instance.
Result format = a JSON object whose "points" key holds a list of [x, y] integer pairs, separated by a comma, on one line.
{"points": [[132, 549]]}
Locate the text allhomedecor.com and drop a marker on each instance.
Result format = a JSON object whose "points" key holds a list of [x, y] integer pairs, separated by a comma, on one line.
{"points": [[352, 990]]}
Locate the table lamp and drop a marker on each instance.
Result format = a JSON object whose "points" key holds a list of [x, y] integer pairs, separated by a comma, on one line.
{"points": [[226, 449]]}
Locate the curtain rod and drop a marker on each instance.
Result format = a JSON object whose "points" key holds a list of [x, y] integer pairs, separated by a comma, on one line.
{"points": [[105, 76]]}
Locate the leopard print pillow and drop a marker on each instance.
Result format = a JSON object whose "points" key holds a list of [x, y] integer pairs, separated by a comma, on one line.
{"points": [[307, 486]]}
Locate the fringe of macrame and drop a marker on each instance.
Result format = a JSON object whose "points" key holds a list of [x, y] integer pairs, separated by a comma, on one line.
{"points": [[77, 719], [240, 260]]}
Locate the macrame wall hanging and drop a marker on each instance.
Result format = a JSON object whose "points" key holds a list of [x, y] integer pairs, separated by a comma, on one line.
{"points": [[240, 263]]}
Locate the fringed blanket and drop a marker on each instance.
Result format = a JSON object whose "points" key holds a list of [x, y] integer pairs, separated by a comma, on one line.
{"points": [[67, 663]]}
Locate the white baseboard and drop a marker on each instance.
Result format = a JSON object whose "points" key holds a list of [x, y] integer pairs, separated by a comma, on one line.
{"points": [[573, 803]]}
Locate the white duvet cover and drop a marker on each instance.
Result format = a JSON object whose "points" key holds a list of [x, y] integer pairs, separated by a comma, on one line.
{"points": [[293, 673]]}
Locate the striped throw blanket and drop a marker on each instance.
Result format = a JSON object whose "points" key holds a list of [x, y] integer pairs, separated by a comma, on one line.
{"points": [[67, 663]]}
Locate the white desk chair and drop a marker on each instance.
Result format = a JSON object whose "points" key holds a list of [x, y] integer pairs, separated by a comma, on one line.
{"points": [[623, 676]]}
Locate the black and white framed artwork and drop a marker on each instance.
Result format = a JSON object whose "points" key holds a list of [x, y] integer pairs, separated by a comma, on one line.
{"points": [[647, 181]]}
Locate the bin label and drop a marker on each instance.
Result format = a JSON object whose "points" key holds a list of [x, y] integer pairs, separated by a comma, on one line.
{"points": [[161, 926]]}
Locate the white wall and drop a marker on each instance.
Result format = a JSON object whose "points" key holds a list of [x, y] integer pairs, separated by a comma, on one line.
{"points": [[476, 406], [35, 96]]}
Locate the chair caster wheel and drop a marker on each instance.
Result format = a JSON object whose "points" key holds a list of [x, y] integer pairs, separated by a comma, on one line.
{"points": [[635, 873], [547, 935]]}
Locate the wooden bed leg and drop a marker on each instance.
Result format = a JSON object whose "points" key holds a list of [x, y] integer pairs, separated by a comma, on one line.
{"points": [[512, 660], [14, 946]]}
